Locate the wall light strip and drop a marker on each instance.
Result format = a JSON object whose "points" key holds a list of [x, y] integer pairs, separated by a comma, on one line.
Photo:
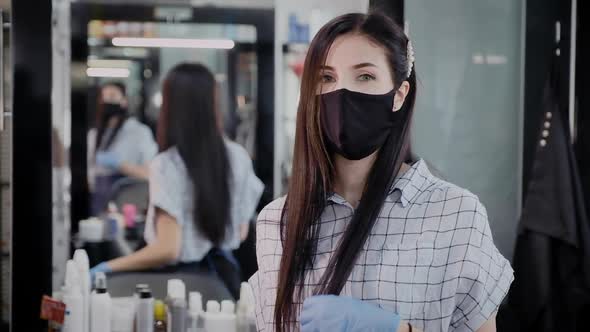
{"points": [[107, 72], [174, 43]]}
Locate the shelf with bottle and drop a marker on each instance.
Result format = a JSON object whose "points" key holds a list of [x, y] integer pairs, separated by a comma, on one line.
{"points": [[295, 47]]}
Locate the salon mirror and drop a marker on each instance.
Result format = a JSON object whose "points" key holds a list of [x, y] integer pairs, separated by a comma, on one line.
{"points": [[119, 54]]}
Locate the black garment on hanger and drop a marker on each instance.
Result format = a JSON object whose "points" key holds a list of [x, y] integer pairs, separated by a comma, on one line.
{"points": [[551, 291]]}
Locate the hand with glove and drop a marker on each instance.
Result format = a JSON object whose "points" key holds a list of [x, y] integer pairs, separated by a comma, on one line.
{"points": [[102, 267], [347, 314], [108, 160]]}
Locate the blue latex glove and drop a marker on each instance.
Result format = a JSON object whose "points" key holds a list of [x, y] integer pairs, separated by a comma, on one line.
{"points": [[340, 313], [108, 159], [102, 267]]}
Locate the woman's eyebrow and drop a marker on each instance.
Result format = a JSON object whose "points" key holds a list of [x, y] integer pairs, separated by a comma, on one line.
{"points": [[364, 64], [357, 66]]}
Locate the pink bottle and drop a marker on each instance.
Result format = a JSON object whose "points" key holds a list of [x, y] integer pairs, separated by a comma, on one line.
{"points": [[129, 213]]}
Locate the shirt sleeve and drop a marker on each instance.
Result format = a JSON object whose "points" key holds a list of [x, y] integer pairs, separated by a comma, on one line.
{"points": [[268, 256], [485, 276], [165, 184], [254, 282], [248, 186], [252, 191], [149, 148], [257, 278]]}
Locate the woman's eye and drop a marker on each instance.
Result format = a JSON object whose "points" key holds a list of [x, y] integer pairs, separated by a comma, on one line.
{"points": [[327, 79], [366, 77]]}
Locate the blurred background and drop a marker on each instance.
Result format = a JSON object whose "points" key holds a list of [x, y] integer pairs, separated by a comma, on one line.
{"points": [[501, 111]]}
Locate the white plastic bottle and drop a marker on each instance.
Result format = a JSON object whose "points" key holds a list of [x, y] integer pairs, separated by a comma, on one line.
{"points": [[72, 297], [176, 304], [81, 259], [246, 319], [145, 311], [138, 289], [211, 316], [220, 320], [100, 305], [195, 313], [228, 310]]}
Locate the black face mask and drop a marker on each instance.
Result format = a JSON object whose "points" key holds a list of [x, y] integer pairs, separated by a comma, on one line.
{"points": [[110, 110], [356, 124]]}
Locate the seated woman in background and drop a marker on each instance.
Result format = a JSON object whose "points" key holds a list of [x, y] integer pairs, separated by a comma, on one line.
{"points": [[203, 190], [120, 146]]}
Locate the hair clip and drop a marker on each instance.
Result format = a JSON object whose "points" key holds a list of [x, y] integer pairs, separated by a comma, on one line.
{"points": [[411, 57]]}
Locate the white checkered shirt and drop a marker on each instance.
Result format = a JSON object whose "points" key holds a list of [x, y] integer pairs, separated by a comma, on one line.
{"points": [[429, 258]]}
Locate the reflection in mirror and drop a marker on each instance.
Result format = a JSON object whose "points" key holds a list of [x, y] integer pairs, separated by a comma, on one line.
{"points": [[118, 85], [126, 64]]}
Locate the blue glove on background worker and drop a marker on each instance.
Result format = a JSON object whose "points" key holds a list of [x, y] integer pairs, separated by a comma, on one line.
{"points": [[102, 267], [345, 314]]}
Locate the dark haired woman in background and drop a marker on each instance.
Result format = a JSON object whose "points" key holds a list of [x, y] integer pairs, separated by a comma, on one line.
{"points": [[203, 190], [120, 146], [364, 241]]}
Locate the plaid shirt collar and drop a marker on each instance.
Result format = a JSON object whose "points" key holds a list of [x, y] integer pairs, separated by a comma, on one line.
{"points": [[411, 182], [408, 185]]}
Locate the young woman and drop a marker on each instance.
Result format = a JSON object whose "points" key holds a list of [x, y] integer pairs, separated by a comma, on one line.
{"points": [[203, 190], [120, 146], [364, 241]]}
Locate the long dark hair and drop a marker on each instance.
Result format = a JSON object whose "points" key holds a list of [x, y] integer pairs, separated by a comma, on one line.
{"points": [[102, 120], [312, 175], [188, 121]]}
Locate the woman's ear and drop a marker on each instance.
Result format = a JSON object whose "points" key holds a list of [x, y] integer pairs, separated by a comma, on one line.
{"points": [[400, 96]]}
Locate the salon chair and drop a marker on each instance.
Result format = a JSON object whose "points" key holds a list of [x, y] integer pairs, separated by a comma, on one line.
{"points": [[130, 191]]}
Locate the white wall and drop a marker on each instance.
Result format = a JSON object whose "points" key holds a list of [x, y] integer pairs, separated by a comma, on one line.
{"points": [[468, 117]]}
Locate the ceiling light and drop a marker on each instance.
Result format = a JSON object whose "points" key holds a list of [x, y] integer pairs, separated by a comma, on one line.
{"points": [[174, 43]]}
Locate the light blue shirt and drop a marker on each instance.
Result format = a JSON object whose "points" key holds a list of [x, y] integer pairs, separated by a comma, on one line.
{"points": [[172, 191], [134, 144]]}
